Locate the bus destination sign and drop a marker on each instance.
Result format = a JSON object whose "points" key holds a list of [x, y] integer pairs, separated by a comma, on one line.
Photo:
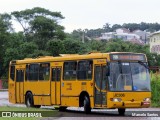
{"points": [[137, 57]]}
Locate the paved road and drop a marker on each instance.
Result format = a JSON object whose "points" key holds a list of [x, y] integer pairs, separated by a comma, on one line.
{"points": [[101, 114], [4, 99]]}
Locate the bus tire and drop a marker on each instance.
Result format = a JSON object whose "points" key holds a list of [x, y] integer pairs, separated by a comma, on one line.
{"points": [[121, 111], [62, 108], [29, 100], [37, 106], [87, 108]]}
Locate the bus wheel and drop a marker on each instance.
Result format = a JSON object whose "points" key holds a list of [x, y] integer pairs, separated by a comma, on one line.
{"points": [[37, 106], [29, 100], [87, 108], [121, 111], [62, 108]]}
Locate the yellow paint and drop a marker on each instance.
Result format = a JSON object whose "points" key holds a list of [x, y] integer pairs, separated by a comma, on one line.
{"points": [[100, 61], [67, 92], [70, 101], [129, 99], [11, 90], [55, 93]]}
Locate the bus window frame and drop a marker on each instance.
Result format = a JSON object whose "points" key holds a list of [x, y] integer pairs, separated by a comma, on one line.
{"points": [[69, 70], [38, 73], [87, 60]]}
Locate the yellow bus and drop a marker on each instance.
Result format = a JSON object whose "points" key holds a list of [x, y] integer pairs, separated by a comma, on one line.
{"points": [[95, 80]]}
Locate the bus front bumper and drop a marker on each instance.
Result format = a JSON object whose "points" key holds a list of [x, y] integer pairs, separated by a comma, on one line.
{"points": [[129, 104], [128, 100]]}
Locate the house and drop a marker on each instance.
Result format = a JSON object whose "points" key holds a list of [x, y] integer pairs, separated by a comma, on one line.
{"points": [[127, 36], [144, 36], [124, 34], [122, 30], [154, 42], [108, 35]]}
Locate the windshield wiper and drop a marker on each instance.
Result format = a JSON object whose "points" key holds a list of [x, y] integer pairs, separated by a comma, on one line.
{"points": [[142, 63]]}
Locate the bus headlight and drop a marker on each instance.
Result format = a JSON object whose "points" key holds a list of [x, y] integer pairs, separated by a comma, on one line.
{"points": [[147, 99], [117, 100]]}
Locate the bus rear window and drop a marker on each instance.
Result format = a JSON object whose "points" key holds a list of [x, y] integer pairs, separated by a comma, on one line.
{"points": [[12, 72]]}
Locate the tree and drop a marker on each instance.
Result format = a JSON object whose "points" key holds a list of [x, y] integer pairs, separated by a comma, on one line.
{"points": [[72, 46], [55, 47], [40, 25], [95, 45], [24, 17], [106, 27], [4, 38], [115, 26]]}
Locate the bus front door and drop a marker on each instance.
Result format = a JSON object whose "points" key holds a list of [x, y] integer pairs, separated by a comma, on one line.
{"points": [[56, 86], [19, 85], [100, 86]]}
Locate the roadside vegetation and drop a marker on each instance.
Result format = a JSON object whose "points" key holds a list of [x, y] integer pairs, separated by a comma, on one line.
{"points": [[155, 87]]}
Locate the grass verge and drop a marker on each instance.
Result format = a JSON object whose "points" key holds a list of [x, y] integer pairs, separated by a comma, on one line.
{"points": [[27, 113]]}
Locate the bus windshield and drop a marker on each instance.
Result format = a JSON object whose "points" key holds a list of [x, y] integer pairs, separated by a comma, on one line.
{"points": [[129, 76]]}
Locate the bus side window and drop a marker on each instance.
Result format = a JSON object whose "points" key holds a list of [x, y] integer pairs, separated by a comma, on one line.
{"points": [[70, 70], [84, 70], [44, 71], [32, 72], [12, 72]]}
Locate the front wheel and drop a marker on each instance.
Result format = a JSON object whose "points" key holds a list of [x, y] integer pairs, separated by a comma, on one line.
{"points": [[121, 111], [87, 108]]}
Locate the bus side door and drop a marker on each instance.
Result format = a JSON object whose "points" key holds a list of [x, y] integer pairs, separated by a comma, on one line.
{"points": [[100, 83], [56, 84], [12, 84], [19, 85]]}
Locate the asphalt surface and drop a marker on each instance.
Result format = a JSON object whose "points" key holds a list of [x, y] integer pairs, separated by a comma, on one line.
{"points": [[73, 113]]}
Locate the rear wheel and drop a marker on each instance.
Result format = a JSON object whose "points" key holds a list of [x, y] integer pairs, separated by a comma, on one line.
{"points": [[121, 111], [37, 106], [29, 100], [86, 103], [62, 108]]}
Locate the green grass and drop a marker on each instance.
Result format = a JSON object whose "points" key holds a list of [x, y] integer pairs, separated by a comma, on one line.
{"points": [[24, 110]]}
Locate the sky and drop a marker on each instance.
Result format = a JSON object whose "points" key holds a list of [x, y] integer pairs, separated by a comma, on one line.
{"points": [[91, 14]]}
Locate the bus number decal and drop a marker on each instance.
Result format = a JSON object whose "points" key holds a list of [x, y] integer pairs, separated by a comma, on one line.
{"points": [[119, 95], [69, 86]]}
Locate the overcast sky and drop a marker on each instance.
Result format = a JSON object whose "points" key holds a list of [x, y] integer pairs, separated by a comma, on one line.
{"points": [[91, 14]]}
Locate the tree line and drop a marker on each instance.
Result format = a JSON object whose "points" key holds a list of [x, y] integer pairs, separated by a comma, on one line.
{"points": [[43, 35], [148, 27]]}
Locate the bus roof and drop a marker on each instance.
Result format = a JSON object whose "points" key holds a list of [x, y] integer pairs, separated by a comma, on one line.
{"points": [[68, 57]]}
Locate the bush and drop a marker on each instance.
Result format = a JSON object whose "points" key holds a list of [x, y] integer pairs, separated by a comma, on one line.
{"points": [[4, 83], [155, 88]]}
